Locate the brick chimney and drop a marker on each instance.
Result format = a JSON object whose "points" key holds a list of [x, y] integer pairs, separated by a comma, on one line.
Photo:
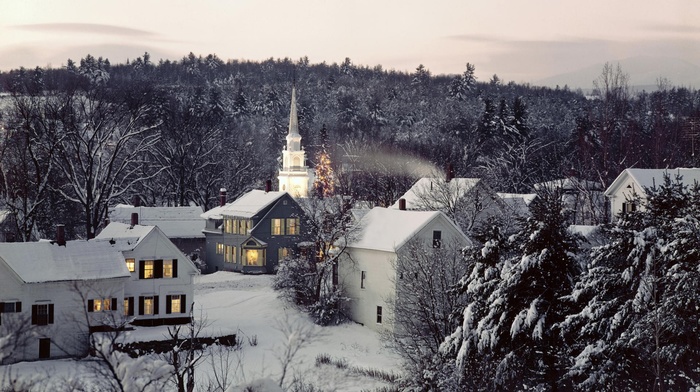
{"points": [[402, 204], [450, 173], [61, 235], [134, 219], [136, 200], [222, 197], [268, 186]]}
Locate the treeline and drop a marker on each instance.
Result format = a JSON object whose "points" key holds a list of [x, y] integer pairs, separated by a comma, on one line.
{"points": [[81, 138]]}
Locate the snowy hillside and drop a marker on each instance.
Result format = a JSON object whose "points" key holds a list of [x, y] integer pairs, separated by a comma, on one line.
{"points": [[247, 306]]}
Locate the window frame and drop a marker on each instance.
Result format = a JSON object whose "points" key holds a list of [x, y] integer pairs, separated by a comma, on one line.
{"points": [[363, 279], [292, 226], [437, 239], [131, 264], [277, 226], [379, 314]]}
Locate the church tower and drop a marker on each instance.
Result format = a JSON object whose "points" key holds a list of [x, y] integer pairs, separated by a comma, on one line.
{"points": [[294, 177]]}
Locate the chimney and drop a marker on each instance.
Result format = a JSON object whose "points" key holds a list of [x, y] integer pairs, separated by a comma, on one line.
{"points": [[450, 173], [268, 186], [136, 201], [402, 204], [222, 197], [134, 219], [61, 235]]}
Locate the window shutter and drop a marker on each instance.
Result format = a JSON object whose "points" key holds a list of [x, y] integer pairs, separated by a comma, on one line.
{"points": [[131, 306], [34, 314], [18, 307], [50, 313], [142, 268], [168, 304], [91, 305], [140, 306], [183, 303], [114, 304], [158, 269], [174, 268], [155, 300]]}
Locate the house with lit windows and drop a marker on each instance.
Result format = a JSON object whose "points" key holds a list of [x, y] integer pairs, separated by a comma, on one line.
{"points": [[52, 293], [253, 233], [367, 269], [160, 286]]}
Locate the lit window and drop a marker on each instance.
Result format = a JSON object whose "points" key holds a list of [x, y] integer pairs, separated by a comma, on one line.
{"points": [[292, 226], [243, 226], [363, 278], [277, 228], [148, 269], [248, 226], [131, 265], [379, 314], [228, 225], [100, 304], [219, 248], [167, 268], [148, 305], [629, 207], [175, 304], [254, 257], [228, 256], [129, 306], [283, 253]]}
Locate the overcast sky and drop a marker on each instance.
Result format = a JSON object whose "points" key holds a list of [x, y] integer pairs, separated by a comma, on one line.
{"points": [[520, 40]]}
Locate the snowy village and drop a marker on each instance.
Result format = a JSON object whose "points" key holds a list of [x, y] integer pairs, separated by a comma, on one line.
{"points": [[209, 224]]}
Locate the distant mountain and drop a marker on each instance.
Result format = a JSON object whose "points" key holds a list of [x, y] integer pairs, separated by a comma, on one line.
{"points": [[643, 71]]}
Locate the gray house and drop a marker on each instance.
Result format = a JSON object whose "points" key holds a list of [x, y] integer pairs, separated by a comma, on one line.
{"points": [[253, 233]]}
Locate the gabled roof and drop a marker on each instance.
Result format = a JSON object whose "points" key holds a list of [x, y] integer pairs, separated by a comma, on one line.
{"points": [[124, 236], [458, 187], [175, 222], [648, 178], [388, 229], [245, 206], [45, 261]]}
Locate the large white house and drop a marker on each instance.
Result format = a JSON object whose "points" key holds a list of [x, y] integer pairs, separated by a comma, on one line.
{"points": [[367, 269], [159, 290], [633, 183], [52, 292]]}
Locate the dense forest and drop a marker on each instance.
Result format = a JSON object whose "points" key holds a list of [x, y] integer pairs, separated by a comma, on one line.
{"points": [[79, 139]]}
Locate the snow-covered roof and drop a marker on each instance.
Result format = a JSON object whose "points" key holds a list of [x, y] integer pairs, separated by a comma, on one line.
{"points": [[388, 229], [125, 236], [518, 203], [245, 206], [45, 261], [570, 183], [648, 178], [458, 187], [175, 222]]}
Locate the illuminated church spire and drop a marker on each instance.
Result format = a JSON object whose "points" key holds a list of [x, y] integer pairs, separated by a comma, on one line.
{"points": [[295, 176]]}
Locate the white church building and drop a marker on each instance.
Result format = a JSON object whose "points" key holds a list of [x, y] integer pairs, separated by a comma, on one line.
{"points": [[295, 177]]}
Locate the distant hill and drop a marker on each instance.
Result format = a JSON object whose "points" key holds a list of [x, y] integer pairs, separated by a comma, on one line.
{"points": [[643, 71]]}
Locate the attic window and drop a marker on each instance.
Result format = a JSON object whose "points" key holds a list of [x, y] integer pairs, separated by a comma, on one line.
{"points": [[251, 243], [131, 265]]}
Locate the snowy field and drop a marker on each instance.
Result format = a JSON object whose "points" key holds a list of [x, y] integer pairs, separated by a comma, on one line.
{"points": [[246, 305]]}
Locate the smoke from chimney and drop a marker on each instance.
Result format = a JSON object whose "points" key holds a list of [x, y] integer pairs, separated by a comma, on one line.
{"points": [[222, 197], [61, 235], [402, 204], [134, 219]]}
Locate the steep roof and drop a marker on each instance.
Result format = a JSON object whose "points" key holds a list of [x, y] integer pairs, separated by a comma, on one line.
{"points": [[125, 236], [458, 187], [45, 261], [648, 178], [570, 183], [175, 222], [245, 206], [388, 229]]}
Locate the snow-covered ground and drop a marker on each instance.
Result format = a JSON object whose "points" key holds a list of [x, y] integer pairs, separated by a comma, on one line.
{"points": [[247, 306]]}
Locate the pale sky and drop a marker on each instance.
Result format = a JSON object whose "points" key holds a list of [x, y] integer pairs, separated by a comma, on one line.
{"points": [[520, 40]]}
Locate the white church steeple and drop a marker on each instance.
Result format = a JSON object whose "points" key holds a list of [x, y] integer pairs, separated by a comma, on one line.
{"points": [[294, 177]]}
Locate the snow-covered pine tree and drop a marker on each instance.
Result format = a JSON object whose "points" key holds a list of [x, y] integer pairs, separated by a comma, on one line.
{"points": [[510, 336], [637, 328]]}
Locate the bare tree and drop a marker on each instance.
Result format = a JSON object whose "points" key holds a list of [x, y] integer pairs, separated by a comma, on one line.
{"points": [[297, 335]]}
